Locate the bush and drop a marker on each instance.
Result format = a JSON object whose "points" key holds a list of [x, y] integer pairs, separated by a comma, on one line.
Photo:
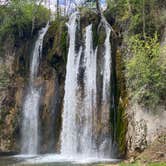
{"points": [[145, 72]]}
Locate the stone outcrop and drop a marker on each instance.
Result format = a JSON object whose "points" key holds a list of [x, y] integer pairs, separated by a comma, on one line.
{"points": [[144, 127], [14, 64]]}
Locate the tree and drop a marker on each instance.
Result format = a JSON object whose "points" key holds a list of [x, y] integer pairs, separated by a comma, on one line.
{"points": [[97, 3], [18, 19], [36, 6], [98, 6], [57, 10]]}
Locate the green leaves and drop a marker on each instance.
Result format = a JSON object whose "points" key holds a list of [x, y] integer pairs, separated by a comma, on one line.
{"points": [[144, 73], [138, 16], [16, 18]]}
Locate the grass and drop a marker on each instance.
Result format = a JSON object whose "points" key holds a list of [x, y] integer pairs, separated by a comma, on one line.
{"points": [[143, 164]]}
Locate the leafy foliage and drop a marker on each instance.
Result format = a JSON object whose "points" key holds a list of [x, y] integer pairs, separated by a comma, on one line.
{"points": [[145, 63], [16, 18], [144, 72], [134, 13]]}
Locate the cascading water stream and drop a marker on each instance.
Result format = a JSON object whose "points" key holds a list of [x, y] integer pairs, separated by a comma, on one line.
{"points": [[107, 67], [80, 115], [105, 115], [31, 105], [74, 131], [69, 127], [89, 104]]}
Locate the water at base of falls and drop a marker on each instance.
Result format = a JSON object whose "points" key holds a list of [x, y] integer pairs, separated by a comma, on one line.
{"points": [[52, 159], [80, 120], [30, 122]]}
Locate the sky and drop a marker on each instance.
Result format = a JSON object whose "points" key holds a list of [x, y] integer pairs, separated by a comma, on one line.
{"points": [[62, 3]]}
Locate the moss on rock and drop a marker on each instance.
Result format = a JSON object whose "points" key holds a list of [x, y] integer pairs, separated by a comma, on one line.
{"points": [[55, 44], [122, 104]]}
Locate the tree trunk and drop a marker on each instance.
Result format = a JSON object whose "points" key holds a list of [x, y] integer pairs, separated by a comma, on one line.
{"points": [[57, 3], [98, 6], [143, 18]]}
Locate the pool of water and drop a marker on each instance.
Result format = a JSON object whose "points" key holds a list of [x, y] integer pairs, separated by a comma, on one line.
{"points": [[53, 160]]}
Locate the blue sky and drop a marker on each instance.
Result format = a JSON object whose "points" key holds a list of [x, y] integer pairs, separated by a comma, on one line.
{"points": [[62, 1]]}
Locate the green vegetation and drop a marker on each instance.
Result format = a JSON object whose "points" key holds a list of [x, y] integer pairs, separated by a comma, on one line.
{"points": [[140, 61], [144, 72], [55, 43], [139, 16], [17, 17], [122, 104], [143, 22], [142, 164]]}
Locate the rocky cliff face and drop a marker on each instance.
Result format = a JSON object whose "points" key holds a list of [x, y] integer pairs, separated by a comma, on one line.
{"points": [[14, 62]]}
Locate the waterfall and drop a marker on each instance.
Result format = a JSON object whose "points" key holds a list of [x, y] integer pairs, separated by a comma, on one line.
{"points": [[69, 127], [107, 68], [77, 124], [105, 147], [80, 123], [37, 53], [30, 124], [89, 103]]}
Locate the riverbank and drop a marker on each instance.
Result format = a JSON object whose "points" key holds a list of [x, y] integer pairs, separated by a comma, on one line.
{"points": [[153, 155]]}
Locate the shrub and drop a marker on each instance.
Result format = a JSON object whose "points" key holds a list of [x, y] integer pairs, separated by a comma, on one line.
{"points": [[145, 72]]}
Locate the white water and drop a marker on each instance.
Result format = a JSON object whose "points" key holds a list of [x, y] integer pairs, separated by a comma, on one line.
{"points": [[60, 159], [77, 128], [107, 67], [80, 115], [37, 53], [87, 114], [30, 122], [69, 126], [105, 147], [31, 105]]}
